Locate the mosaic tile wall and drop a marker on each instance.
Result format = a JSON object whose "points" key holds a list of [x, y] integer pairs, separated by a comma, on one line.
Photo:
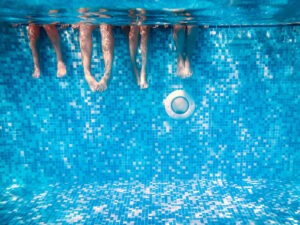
{"points": [[246, 123]]}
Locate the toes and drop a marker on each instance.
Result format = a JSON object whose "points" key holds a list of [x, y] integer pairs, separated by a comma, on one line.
{"points": [[144, 85], [101, 87], [36, 75], [98, 87], [61, 70], [181, 72], [93, 87], [61, 73], [188, 74]]}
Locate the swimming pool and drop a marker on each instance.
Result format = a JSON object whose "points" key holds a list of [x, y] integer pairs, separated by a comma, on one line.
{"points": [[69, 155]]}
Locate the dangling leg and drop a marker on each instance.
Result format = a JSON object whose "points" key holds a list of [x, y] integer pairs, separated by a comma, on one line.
{"points": [[145, 30], [54, 37], [133, 44], [34, 34], [192, 32], [179, 38], [85, 36], [107, 41]]}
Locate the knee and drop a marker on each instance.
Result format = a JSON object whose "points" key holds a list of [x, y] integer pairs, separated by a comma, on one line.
{"points": [[85, 33], [144, 30], [84, 28], [33, 32], [50, 28], [106, 33], [133, 32], [106, 27]]}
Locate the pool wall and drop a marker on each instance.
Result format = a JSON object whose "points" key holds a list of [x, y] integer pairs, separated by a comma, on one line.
{"points": [[246, 124]]}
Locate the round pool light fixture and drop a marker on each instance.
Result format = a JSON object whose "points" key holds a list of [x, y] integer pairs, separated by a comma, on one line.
{"points": [[179, 105]]}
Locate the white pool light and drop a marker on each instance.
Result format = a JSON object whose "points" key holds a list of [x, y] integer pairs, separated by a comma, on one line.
{"points": [[179, 105]]}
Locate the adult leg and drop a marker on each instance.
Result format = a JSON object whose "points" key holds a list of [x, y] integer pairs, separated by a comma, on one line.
{"points": [[54, 37], [34, 34], [179, 38], [107, 42], [192, 33], [144, 31], [85, 40], [133, 44]]}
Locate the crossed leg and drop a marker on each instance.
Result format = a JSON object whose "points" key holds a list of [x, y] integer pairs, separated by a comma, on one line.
{"points": [[86, 52], [85, 41]]}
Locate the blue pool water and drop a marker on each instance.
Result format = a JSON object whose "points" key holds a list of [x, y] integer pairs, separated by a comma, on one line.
{"points": [[207, 12], [72, 156]]}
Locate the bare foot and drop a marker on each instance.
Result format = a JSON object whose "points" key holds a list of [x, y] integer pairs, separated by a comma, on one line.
{"points": [[92, 82], [61, 69], [102, 85], [187, 69], [180, 68], [143, 82], [36, 72]]}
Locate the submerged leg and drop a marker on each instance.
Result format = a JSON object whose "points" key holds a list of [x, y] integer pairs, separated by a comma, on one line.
{"points": [[55, 40], [34, 34], [144, 30], [107, 41], [179, 38], [192, 32], [133, 44], [85, 39]]}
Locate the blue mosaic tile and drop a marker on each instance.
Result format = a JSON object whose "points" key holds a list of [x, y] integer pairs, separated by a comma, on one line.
{"points": [[246, 125], [178, 202]]}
